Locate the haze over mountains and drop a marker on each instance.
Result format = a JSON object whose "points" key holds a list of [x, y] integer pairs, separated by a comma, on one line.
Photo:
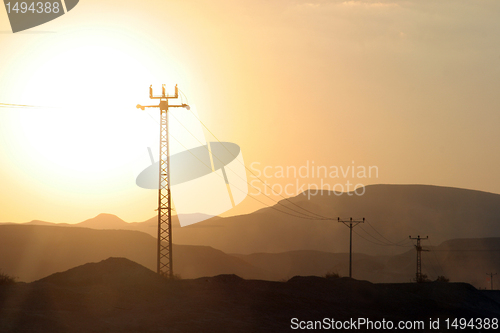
{"points": [[461, 224], [464, 260], [33, 252], [395, 211], [392, 212]]}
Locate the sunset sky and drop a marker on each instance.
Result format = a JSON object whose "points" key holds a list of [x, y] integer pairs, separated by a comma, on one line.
{"points": [[411, 87]]}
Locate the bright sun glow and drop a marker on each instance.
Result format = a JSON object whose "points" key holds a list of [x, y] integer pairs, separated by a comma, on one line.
{"points": [[88, 123]]}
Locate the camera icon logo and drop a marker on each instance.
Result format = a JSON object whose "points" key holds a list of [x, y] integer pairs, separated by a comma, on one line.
{"points": [[205, 180]]}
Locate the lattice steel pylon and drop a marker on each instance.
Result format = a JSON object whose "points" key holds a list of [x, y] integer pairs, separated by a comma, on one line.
{"points": [[419, 277], [164, 265]]}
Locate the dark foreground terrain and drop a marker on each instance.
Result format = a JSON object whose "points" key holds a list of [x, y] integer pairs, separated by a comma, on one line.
{"points": [[118, 295]]}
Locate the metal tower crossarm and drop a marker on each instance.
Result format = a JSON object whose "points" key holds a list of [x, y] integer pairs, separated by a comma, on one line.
{"points": [[164, 245], [418, 276]]}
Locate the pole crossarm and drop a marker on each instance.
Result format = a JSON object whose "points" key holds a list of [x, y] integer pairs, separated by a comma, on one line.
{"points": [[142, 107], [358, 221], [164, 241], [350, 224]]}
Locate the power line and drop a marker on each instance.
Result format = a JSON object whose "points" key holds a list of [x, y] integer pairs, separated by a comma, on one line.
{"points": [[245, 180], [17, 106], [249, 170], [387, 243], [381, 242], [277, 202], [391, 242], [435, 256], [272, 207], [239, 189], [378, 241], [431, 266], [370, 241]]}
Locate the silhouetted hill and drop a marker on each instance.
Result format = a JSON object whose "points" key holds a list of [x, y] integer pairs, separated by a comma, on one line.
{"points": [[110, 272], [282, 266], [392, 212], [460, 260], [117, 295], [466, 260], [32, 252], [38, 222], [110, 221], [103, 221]]}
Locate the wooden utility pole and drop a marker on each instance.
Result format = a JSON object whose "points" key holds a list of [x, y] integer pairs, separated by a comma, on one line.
{"points": [[350, 225], [491, 279]]}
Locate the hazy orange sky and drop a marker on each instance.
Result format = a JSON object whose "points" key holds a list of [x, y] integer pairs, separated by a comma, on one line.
{"points": [[410, 87]]}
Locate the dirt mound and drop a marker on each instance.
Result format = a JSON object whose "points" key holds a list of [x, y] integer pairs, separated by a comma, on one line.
{"points": [[112, 271], [118, 295], [222, 278]]}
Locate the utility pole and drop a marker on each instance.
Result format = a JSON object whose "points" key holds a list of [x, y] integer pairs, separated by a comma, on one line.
{"points": [[350, 225], [491, 279], [419, 277], [164, 265]]}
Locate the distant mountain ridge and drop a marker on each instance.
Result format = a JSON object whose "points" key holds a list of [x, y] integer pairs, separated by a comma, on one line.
{"points": [[392, 212], [109, 221], [33, 252], [106, 221]]}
